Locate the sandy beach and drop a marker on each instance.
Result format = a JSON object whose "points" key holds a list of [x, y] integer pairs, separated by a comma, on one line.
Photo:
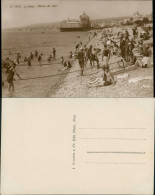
{"points": [[70, 84], [75, 86]]}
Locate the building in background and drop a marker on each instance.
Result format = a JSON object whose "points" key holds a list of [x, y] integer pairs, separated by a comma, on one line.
{"points": [[83, 24], [150, 17], [137, 17]]}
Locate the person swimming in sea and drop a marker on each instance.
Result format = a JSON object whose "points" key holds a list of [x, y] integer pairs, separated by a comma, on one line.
{"points": [[36, 53], [29, 61], [39, 58], [49, 58], [31, 55], [25, 59], [54, 53]]}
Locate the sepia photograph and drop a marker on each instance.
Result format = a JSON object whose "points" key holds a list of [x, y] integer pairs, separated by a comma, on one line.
{"points": [[77, 49]]}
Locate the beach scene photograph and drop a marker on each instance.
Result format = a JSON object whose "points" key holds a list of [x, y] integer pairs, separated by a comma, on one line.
{"points": [[77, 49]]}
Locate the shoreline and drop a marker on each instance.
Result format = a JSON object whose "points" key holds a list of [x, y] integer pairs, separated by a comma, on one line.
{"points": [[40, 87], [75, 67], [72, 84], [55, 87]]}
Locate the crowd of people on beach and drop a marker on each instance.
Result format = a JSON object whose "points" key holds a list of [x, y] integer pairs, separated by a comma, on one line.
{"points": [[129, 48]]}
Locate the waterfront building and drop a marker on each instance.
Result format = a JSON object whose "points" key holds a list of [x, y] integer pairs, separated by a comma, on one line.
{"points": [[81, 24], [137, 17]]}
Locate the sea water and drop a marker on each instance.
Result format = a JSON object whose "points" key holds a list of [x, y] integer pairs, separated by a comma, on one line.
{"points": [[43, 42]]}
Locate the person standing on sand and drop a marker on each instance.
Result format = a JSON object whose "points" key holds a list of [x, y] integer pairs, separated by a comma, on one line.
{"points": [[81, 57], [126, 34], [108, 43], [126, 49], [131, 46], [85, 55], [122, 47], [134, 32], [95, 58], [89, 54], [105, 56], [71, 54]]}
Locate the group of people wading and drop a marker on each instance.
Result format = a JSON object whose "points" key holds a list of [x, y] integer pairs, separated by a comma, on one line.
{"points": [[8, 65]]}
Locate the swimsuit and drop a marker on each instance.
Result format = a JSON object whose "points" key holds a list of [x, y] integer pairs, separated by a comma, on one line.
{"points": [[10, 76], [106, 80]]}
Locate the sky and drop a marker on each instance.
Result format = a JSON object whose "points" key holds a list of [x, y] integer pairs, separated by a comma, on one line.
{"points": [[95, 9]]}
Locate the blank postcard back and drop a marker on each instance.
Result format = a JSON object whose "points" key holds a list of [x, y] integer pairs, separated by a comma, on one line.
{"points": [[77, 146]]}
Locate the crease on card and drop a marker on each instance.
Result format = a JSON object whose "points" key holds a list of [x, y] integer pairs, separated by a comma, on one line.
{"points": [[9, 185], [145, 186]]}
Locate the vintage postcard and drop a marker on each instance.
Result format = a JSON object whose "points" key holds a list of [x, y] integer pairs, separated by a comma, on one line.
{"points": [[73, 48], [77, 97], [80, 146]]}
